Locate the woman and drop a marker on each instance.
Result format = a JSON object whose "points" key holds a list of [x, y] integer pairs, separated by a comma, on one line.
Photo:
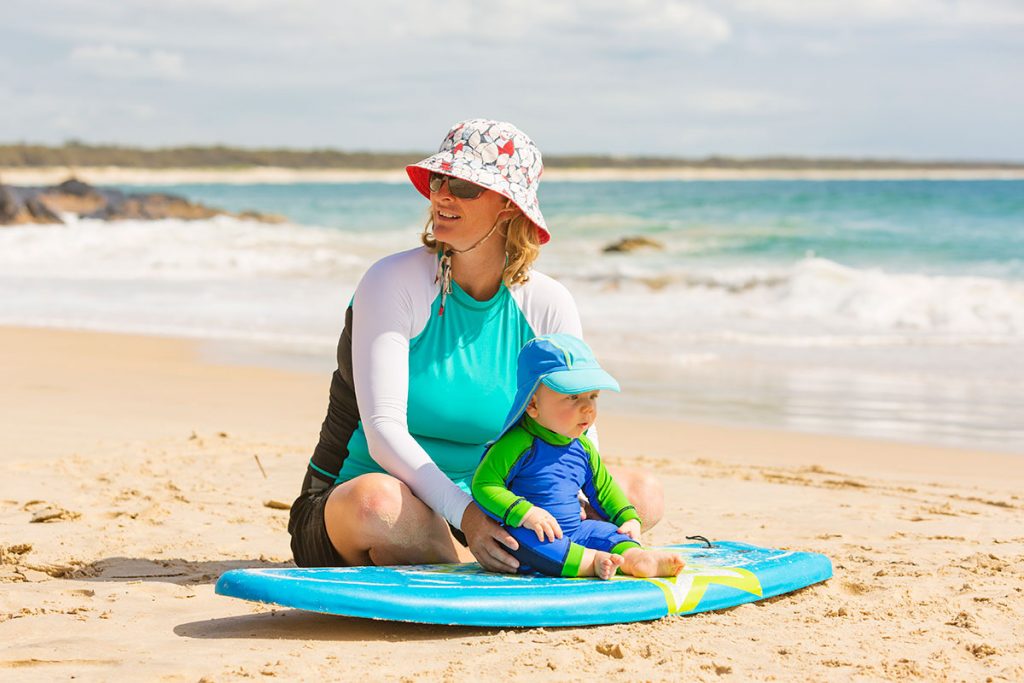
{"points": [[426, 368]]}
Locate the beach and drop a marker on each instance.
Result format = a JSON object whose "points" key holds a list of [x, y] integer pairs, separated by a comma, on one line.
{"points": [[137, 469]]}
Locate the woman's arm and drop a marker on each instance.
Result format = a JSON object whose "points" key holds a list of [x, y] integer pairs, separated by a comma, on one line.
{"points": [[383, 318]]}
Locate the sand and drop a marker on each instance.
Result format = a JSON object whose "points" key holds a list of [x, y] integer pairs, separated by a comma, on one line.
{"points": [[112, 175], [129, 481]]}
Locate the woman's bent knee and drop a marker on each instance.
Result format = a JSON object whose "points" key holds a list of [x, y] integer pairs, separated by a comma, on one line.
{"points": [[650, 490], [644, 491], [377, 519], [364, 503]]}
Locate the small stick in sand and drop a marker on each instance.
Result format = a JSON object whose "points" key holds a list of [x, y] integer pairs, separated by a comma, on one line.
{"points": [[260, 464]]}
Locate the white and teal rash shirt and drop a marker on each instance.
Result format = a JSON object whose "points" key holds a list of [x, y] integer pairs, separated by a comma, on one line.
{"points": [[418, 394]]}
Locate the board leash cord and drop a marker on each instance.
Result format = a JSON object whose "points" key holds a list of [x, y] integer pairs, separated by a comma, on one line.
{"points": [[708, 543]]}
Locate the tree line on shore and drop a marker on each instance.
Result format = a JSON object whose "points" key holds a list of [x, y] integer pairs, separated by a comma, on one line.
{"points": [[77, 154]]}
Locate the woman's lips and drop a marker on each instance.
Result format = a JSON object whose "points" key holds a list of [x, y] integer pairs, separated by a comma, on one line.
{"points": [[446, 215]]}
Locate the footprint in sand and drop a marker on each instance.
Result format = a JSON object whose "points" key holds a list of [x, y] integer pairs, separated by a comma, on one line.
{"points": [[48, 512], [856, 588], [962, 620]]}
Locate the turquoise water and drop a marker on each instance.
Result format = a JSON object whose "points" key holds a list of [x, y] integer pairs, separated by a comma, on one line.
{"points": [[890, 309], [950, 227]]}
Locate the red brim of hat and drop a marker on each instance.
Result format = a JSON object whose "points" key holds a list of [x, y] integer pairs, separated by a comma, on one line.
{"points": [[420, 178]]}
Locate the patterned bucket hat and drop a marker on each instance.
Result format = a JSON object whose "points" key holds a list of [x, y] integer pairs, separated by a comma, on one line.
{"points": [[493, 154]]}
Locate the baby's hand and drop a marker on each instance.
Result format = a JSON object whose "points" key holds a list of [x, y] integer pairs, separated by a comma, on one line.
{"points": [[631, 528], [542, 523]]}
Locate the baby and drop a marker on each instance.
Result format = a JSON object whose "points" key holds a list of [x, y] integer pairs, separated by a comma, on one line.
{"points": [[531, 475]]}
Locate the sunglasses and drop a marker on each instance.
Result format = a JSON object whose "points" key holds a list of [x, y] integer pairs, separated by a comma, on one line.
{"points": [[463, 189]]}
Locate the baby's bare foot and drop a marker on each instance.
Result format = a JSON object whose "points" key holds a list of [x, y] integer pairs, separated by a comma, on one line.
{"points": [[605, 564], [646, 563]]}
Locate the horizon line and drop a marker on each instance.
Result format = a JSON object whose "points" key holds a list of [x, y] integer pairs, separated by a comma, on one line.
{"points": [[715, 160]]}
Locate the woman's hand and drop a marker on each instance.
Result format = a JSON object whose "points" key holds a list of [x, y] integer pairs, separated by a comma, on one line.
{"points": [[631, 528], [485, 537], [541, 523]]}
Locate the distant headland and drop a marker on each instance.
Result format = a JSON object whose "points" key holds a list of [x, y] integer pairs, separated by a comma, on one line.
{"points": [[112, 164]]}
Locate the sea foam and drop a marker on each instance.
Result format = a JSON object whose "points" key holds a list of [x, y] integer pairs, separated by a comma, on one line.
{"points": [[813, 301]]}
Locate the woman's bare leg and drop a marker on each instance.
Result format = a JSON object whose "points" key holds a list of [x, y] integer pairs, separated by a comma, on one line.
{"points": [[376, 519], [642, 489]]}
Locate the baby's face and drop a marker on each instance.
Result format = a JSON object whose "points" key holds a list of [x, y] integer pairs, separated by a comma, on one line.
{"points": [[566, 414]]}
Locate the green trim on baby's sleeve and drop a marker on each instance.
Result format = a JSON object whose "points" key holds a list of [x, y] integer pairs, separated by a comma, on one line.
{"points": [[515, 514], [611, 502], [622, 546], [489, 489]]}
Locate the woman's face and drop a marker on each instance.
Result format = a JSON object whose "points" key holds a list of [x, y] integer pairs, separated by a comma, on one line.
{"points": [[462, 223]]}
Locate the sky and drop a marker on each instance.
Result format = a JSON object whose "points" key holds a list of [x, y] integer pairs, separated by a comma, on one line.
{"points": [[916, 79]]}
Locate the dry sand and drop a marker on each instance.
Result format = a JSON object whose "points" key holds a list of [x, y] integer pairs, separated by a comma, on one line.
{"points": [[129, 482], [112, 175]]}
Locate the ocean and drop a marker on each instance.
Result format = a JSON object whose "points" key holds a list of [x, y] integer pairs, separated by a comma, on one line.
{"points": [[878, 308]]}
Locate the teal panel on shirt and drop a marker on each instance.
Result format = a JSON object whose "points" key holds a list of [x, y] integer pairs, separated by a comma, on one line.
{"points": [[462, 381]]}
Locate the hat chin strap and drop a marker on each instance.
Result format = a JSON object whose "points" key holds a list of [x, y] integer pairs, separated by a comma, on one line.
{"points": [[452, 250], [444, 265]]}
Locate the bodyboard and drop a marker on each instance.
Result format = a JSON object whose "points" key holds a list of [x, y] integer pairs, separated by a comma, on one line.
{"points": [[724, 575]]}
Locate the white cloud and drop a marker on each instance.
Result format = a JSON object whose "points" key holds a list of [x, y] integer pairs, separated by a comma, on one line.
{"points": [[741, 102], [67, 122], [112, 61], [923, 13], [139, 111], [687, 25], [580, 75], [279, 25]]}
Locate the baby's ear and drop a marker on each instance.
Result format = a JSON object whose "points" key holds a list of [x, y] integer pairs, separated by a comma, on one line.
{"points": [[531, 408]]}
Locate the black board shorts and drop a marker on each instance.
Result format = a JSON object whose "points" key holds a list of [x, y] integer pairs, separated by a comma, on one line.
{"points": [[311, 546]]}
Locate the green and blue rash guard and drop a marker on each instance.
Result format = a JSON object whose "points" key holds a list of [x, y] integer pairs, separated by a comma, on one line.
{"points": [[418, 394], [533, 466]]}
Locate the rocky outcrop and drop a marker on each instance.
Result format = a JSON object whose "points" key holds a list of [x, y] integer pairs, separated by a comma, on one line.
{"points": [[20, 205], [74, 196], [628, 244], [17, 207]]}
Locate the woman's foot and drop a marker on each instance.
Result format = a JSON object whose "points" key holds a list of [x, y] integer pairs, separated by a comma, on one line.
{"points": [[649, 563], [605, 564]]}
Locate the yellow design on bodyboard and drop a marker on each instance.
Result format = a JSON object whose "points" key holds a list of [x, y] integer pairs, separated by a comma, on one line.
{"points": [[684, 592]]}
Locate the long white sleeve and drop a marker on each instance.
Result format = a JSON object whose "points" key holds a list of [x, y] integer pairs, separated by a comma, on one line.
{"points": [[384, 318]]}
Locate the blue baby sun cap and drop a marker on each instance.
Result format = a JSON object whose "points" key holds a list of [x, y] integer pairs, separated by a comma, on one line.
{"points": [[561, 361]]}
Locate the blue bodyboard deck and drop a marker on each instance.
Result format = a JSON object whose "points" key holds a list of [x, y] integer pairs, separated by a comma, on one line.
{"points": [[725, 575]]}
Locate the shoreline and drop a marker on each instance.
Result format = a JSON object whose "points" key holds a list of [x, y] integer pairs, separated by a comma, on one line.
{"points": [[253, 354], [120, 355], [156, 470], [112, 175]]}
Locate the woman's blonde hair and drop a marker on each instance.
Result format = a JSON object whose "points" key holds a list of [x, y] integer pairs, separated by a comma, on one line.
{"points": [[522, 245]]}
